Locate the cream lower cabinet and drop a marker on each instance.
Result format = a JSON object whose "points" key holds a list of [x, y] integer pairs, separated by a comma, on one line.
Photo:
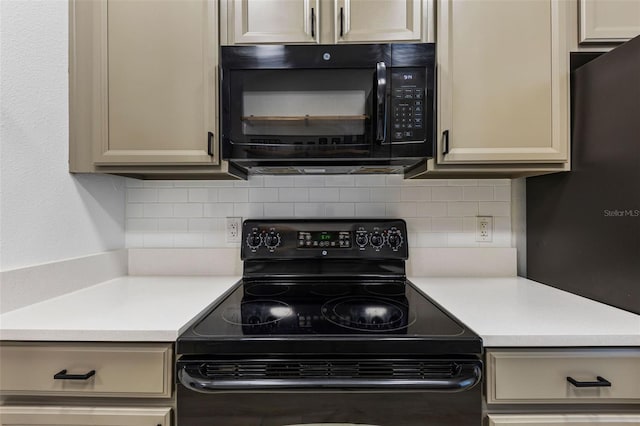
{"points": [[609, 21], [503, 87], [143, 87], [324, 21], [546, 387], [48, 383], [45, 416]]}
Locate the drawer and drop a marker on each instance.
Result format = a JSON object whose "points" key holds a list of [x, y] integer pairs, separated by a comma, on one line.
{"points": [[141, 370], [80, 416], [564, 419], [540, 376]]}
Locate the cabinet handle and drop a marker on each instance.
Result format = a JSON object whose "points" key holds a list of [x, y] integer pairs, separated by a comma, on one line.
{"points": [[313, 23], [445, 142], [600, 383], [62, 375], [210, 144], [341, 21]]}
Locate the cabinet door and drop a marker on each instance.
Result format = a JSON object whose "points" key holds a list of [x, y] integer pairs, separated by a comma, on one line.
{"points": [[160, 83], [273, 21], [380, 21], [564, 419], [84, 416], [609, 21], [503, 81]]}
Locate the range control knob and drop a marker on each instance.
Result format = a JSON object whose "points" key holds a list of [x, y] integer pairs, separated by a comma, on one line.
{"points": [[361, 239], [272, 240], [254, 240], [394, 238], [377, 240]]}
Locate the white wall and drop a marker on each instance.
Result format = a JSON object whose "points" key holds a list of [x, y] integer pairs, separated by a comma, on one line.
{"points": [[439, 213], [46, 214]]}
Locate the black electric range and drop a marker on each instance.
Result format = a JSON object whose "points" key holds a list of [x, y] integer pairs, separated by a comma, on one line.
{"points": [[326, 305]]}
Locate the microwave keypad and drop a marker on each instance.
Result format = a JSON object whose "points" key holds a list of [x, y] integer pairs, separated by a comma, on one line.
{"points": [[407, 103]]}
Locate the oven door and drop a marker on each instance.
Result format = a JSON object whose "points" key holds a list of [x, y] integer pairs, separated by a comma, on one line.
{"points": [[287, 392], [304, 102]]}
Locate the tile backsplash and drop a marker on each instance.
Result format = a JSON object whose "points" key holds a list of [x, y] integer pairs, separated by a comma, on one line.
{"points": [[439, 213]]}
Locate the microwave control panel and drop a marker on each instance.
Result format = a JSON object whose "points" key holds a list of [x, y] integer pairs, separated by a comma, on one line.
{"points": [[408, 105]]}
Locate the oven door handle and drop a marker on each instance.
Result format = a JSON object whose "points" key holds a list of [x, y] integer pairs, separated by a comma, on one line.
{"points": [[468, 376], [381, 99]]}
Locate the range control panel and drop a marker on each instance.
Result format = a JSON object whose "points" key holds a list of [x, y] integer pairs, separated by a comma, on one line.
{"points": [[407, 105], [324, 238]]}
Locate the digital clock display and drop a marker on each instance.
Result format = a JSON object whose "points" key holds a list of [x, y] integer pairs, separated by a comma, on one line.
{"points": [[324, 239]]}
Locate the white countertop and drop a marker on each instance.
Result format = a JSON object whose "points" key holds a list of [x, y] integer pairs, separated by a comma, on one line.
{"points": [[503, 311], [141, 309], [514, 311]]}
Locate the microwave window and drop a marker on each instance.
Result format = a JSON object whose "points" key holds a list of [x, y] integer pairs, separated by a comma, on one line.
{"points": [[297, 106]]}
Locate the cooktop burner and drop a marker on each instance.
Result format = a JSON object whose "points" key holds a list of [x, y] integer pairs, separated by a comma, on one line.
{"points": [[371, 314]]}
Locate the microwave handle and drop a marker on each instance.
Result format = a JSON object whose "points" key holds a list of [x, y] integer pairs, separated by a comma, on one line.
{"points": [[381, 88]]}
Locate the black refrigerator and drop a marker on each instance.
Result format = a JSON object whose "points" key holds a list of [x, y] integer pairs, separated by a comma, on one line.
{"points": [[583, 226]]}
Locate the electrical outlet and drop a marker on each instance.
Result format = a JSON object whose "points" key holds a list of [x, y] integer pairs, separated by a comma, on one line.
{"points": [[484, 229], [234, 225]]}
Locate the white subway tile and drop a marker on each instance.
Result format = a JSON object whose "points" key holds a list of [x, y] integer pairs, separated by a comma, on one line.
{"points": [[202, 225], [461, 208], [308, 181], [233, 195], [255, 181], [240, 184], [309, 210], [218, 210], [278, 181], [431, 209], [418, 193], [477, 193], [431, 240], [172, 225], [417, 225], [446, 224], [462, 182], [324, 194], [187, 210], [278, 209], [494, 208], [491, 182], [263, 195], [142, 225], [385, 195], [401, 210], [502, 193], [204, 183], [158, 240], [394, 180], [199, 195], [446, 193], [428, 182], [293, 194], [370, 180], [339, 180], [187, 240], [158, 210], [248, 211], [214, 239], [134, 210], [469, 224], [461, 239], [370, 210], [142, 195], [134, 239], [340, 210], [357, 195]]}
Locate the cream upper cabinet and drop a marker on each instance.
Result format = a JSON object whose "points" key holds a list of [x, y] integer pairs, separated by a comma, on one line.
{"points": [[160, 82], [503, 82], [381, 20], [272, 21], [609, 21], [324, 21]]}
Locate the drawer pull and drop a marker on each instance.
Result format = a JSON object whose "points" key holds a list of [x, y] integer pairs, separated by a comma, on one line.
{"points": [[62, 375], [601, 382]]}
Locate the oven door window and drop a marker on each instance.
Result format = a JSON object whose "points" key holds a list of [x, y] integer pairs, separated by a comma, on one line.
{"points": [[321, 110]]}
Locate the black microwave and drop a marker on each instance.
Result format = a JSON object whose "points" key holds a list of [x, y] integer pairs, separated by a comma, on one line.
{"points": [[327, 108]]}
